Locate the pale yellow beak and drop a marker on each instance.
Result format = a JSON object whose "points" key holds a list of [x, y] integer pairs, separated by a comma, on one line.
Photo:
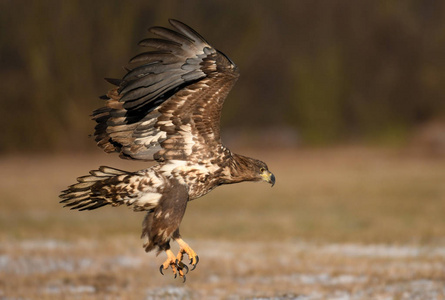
{"points": [[268, 177]]}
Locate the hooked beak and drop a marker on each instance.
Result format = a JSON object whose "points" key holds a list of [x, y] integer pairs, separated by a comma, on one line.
{"points": [[269, 177]]}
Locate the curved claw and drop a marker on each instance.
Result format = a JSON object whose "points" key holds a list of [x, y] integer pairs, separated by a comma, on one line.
{"points": [[181, 266], [197, 261], [177, 264], [160, 269], [184, 279], [186, 270]]}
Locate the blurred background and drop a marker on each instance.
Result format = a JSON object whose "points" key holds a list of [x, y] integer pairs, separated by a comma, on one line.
{"points": [[343, 99], [312, 72]]}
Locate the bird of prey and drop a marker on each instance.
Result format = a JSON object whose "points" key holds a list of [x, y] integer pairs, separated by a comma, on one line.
{"points": [[166, 109]]}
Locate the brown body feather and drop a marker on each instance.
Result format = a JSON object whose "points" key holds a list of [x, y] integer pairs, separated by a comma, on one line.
{"points": [[167, 109]]}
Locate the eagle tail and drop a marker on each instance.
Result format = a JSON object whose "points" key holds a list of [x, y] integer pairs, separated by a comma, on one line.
{"points": [[98, 189]]}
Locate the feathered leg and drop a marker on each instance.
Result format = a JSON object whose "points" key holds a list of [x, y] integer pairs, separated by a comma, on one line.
{"points": [[162, 224]]}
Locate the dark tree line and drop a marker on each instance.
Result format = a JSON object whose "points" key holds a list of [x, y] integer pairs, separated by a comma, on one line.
{"points": [[330, 70]]}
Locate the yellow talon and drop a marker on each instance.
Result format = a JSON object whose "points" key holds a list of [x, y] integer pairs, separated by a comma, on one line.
{"points": [[185, 248], [172, 262]]}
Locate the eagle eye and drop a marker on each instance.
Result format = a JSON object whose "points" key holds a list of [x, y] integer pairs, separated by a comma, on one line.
{"points": [[262, 169]]}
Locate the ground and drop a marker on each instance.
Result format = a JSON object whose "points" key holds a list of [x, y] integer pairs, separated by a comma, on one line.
{"points": [[343, 223]]}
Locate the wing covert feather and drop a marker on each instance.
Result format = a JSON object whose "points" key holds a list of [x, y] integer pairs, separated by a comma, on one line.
{"points": [[169, 102]]}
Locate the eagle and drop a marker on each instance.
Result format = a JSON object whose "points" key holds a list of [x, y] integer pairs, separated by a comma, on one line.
{"points": [[166, 109]]}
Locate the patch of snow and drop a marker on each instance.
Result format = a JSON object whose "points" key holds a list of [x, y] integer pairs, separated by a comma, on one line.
{"points": [[376, 250], [4, 261], [72, 289], [81, 289], [44, 245], [169, 292], [126, 261]]}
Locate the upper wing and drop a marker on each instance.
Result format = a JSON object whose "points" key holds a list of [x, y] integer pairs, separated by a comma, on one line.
{"points": [[169, 103]]}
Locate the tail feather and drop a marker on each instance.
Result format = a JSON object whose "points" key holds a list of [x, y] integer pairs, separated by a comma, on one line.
{"points": [[141, 190], [104, 171], [95, 190]]}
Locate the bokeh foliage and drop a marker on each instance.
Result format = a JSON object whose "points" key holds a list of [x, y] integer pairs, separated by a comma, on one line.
{"points": [[331, 70]]}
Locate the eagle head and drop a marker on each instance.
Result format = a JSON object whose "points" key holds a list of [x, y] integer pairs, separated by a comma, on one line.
{"points": [[244, 168], [264, 173]]}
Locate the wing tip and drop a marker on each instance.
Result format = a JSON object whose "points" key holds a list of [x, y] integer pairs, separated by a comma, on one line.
{"points": [[113, 81], [175, 21]]}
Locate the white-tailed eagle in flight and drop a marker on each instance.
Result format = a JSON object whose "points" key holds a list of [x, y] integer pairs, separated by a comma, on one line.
{"points": [[166, 109]]}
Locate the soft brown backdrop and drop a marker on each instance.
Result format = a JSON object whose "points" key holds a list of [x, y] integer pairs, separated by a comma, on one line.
{"points": [[343, 99]]}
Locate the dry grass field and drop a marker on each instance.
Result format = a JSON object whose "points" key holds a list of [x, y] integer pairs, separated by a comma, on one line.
{"points": [[346, 223]]}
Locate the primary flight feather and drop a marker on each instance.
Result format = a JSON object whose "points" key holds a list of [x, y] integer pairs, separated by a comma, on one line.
{"points": [[166, 109]]}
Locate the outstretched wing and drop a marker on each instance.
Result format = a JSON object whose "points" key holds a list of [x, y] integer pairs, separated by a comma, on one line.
{"points": [[168, 105]]}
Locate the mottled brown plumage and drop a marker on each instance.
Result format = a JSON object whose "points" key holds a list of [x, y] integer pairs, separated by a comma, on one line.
{"points": [[166, 109]]}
